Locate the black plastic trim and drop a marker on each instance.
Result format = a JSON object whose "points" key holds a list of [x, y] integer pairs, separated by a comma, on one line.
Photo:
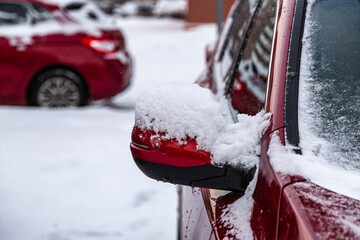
{"points": [[292, 76], [234, 71], [237, 12], [141, 146], [205, 176]]}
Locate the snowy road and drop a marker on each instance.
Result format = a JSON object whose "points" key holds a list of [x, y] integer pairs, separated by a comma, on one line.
{"points": [[69, 175]]}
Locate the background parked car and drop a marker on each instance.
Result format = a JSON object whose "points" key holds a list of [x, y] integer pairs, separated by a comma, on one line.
{"points": [[135, 8], [88, 13], [127, 9], [281, 58], [144, 9], [170, 8], [74, 63]]}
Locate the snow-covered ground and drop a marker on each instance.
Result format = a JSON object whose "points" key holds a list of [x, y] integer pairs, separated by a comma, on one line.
{"points": [[69, 175]]}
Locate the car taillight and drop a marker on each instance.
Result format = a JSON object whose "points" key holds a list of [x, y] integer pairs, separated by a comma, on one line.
{"points": [[102, 45]]}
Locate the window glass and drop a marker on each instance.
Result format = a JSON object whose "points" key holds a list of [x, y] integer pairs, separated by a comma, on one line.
{"points": [[238, 33], [42, 13], [11, 13], [228, 27], [249, 88], [76, 6], [329, 94]]}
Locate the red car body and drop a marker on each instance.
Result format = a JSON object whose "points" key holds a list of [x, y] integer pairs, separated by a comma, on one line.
{"points": [[285, 206], [103, 73]]}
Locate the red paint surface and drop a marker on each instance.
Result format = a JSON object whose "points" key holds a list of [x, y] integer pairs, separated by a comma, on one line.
{"points": [[309, 211], [168, 152], [243, 100]]}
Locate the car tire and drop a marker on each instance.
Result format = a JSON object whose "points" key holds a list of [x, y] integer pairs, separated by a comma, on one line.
{"points": [[58, 88]]}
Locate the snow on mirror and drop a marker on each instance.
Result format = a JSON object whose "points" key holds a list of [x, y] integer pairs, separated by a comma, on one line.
{"points": [[182, 111]]}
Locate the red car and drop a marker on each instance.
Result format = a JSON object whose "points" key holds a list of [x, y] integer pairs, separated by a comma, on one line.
{"points": [[47, 59], [298, 60]]}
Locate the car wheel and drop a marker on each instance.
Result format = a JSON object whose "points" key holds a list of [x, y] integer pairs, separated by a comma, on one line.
{"points": [[58, 88]]}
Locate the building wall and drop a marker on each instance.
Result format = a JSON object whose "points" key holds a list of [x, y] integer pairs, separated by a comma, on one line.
{"points": [[203, 11]]}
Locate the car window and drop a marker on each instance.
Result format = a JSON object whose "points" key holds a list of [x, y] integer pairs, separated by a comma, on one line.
{"points": [[329, 92], [41, 13], [228, 28], [248, 89], [76, 6], [237, 36], [12, 13]]}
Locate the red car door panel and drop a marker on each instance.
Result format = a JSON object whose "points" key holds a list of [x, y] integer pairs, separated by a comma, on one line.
{"points": [[15, 59]]}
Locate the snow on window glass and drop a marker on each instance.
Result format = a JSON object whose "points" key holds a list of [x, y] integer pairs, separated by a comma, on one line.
{"points": [[329, 102], [11, 14], [330, 89], [182, 111]]}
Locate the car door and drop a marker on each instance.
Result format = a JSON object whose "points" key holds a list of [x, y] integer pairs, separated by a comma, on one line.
{"points": [[245, 52], [16, 47], [245, 91], [12, 15]]}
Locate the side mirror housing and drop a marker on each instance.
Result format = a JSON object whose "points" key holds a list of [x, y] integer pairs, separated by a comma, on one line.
{"points": [[182, 163]]}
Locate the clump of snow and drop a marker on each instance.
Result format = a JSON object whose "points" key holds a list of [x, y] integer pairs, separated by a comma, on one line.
{"points": [[239, 143], [238, 214], [182, 111]]}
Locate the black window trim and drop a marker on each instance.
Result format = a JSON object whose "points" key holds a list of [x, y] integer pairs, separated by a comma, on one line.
{"points": [[34, 14], [230, 83], [23, 4], [231, 29], [292, 77]]}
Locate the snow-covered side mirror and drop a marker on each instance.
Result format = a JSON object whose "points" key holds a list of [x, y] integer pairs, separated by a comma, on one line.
{"points": [[182, 135], [169, 161]]}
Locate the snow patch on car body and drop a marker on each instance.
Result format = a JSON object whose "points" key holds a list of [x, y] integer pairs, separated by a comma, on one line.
{"points": [[328, 210], [182, 111], [88, 15], [21, 36]]}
